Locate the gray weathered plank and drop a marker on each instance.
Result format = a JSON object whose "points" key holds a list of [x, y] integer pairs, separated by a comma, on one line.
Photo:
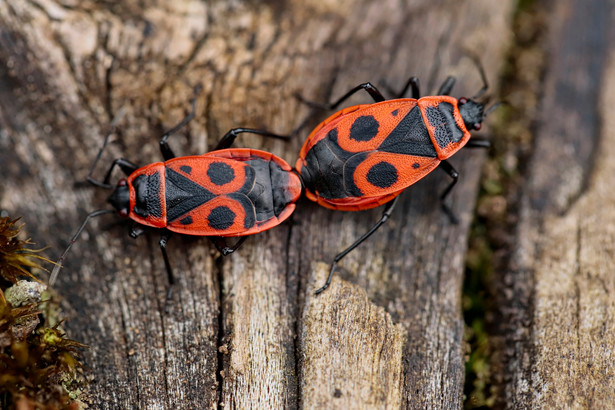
{"points": [[555, 327]]}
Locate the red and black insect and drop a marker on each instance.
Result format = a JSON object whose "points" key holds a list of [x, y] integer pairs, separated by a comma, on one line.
{"points": [[366, 155], [224, 193]]}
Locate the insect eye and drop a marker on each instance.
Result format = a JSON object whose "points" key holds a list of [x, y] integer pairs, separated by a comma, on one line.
{"points": [[477, 126], [122, 182], [463, 100], [123, 213]]}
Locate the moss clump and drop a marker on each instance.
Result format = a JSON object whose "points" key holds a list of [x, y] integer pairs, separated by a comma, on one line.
{"points": [[15, 256], [39, 366]]}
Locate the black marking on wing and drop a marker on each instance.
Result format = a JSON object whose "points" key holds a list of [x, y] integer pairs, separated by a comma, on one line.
{"points": [[183, 195], [221, 218], [220, 173], [248, 207], [364, 128], [324, 169], [410, 137], [268, 194], [382, 175]]}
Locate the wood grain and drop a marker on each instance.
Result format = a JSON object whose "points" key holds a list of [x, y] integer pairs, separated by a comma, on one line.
{"points": [[241, 331], [351, 350], [555, 300]]}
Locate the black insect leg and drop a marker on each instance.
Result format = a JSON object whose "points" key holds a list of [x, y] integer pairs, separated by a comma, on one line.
{"points": [[448, 168], [112, 129], [413, 83], [228, 138], [136, 231], [447, 86], [126, 166], [483, 77], [371, 90], [222, 247], [165, 149], [164, 238], [478, 143], [385, 215]]}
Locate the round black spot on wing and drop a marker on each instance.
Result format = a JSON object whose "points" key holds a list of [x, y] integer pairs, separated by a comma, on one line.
{"points": [[220, 173], [186, 168], [364, 128], [416, 165], [382, 175], [221, 218]]}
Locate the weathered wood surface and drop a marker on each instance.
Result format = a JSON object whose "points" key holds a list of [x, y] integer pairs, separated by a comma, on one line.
{"points": [[246, 330], [556, 301]]}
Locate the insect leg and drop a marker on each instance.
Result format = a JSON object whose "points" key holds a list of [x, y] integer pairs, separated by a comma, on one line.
{"points": [[165, 149], [136, 230], [478, 143], [385, 215], [371, 90], [222, 247], [413, 83], [447, 86], [448, 168], [112, 129], [483, 77], [164, 238], [228, 138], [126, 166]]}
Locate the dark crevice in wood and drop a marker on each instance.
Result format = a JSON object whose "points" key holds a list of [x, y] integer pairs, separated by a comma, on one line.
{"points": [[108, 86], [506, 315], [198, 46], [577, 289], [128, 349], [222, 346]]}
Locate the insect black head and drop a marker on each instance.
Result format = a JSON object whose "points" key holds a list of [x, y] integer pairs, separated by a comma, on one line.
{"points": [[120, 198], [472, 113]]}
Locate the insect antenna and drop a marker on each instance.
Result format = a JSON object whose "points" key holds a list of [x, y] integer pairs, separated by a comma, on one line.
{"points": [[112, 130], [483, 76], [493, 107], [56, 269]]}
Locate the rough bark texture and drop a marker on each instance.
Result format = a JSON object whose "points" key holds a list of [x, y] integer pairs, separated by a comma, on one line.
{"points": [[244, 330], [556, 300]]}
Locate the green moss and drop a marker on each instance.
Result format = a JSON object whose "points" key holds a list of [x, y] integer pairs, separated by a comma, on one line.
{"points": [[39, 366]]}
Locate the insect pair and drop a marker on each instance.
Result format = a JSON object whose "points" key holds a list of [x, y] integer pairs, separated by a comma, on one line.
{"points": [[359, 158]]}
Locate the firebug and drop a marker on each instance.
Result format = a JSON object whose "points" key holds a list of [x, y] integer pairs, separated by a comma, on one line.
{"points": [[228, 192], [366, 155]]}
